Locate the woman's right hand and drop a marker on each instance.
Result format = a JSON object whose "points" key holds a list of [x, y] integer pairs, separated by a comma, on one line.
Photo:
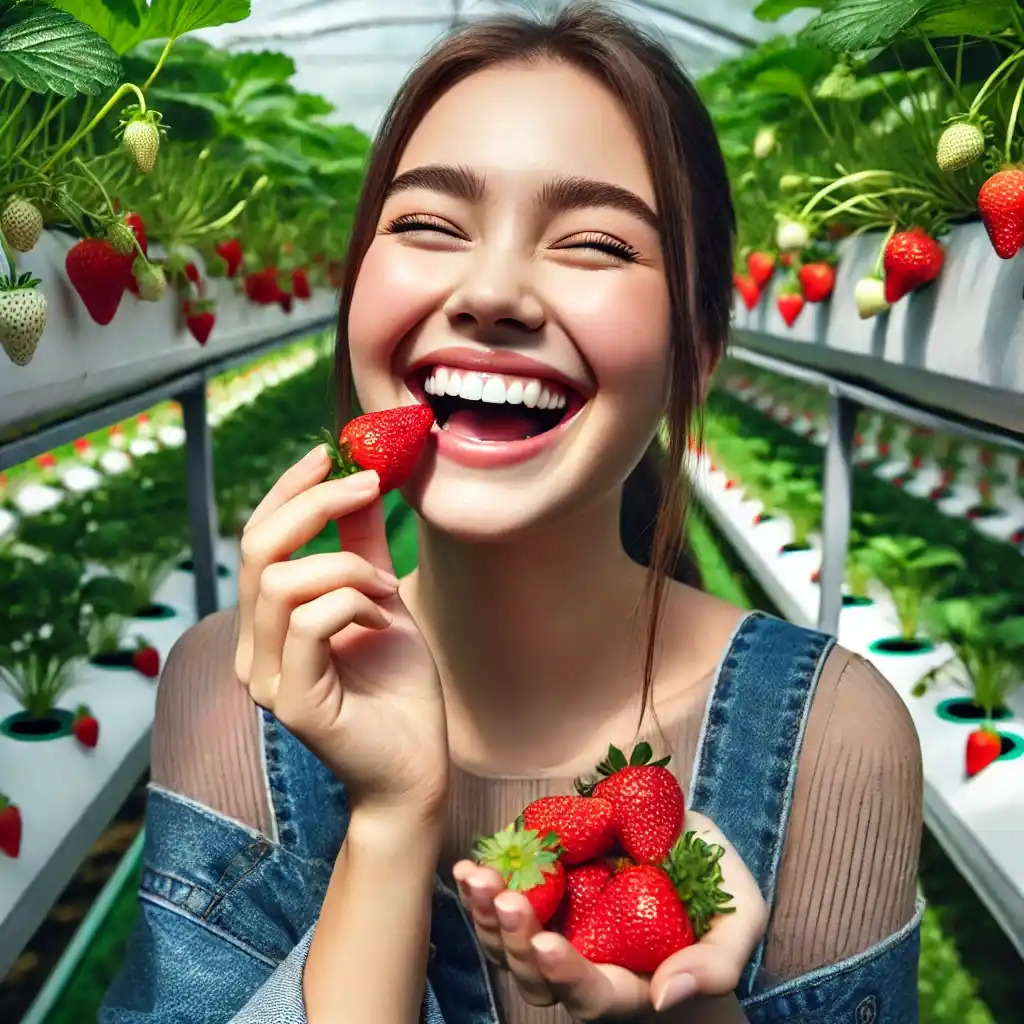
{"points": [[326, 644]]}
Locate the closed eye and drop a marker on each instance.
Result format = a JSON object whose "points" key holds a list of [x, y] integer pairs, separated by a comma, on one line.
{"points": [[419, 222], [604, 244]]}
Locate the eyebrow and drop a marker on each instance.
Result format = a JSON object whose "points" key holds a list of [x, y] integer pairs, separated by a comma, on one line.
{"points": [[556, 196]]}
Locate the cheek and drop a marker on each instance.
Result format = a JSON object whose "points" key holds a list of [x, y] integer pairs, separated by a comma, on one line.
{"points": [[395, 289], [620, 322]]}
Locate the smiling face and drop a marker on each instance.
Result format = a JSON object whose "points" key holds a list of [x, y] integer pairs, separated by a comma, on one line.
{"points": [[515, 282]]}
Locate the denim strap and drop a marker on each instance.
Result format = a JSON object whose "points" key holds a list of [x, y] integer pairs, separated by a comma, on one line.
{"points": [[750, 741]]}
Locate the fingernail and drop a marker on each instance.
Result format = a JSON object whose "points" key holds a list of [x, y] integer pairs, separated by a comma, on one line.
{"points": [[546, 945], [388, 578], [676, 990], [510, 920]]}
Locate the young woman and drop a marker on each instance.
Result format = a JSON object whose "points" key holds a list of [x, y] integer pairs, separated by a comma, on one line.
{"points": [[546, 222]]}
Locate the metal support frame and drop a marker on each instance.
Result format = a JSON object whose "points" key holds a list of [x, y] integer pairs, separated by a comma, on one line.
{"points": [[837, 508], [202, 503]]}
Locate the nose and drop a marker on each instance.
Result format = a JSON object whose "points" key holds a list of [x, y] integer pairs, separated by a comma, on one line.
{"points": [[495, 295]]}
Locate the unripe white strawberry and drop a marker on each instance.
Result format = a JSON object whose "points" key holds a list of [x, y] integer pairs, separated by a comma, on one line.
{"points": [[764, 143], [791, 234], [142, 140], [869, 297], [151, 280], [22, 318], [22, 224], [960, 145]]}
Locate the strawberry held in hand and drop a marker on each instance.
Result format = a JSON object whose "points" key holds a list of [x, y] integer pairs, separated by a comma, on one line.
{"points": [[912, 259], [528, 863], [583, 885], [390, 442], [584, 825], [646, 800]]}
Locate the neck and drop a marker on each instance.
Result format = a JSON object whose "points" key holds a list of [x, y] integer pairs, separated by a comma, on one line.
{"points": [[526, 631]]}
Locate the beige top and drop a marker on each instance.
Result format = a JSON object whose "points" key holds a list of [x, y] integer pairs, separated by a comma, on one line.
{"points": [[848, 872]]}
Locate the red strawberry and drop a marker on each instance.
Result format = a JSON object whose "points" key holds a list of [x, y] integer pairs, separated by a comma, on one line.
{"points": [[146, 661], [134, 221], [192, 273], [817, 281], [749, 292], [391, 442], [100, 275], [528, 863], [300, 284], [199, 320], [583, 885], [912, 259], [786, 259], [761, 266], [646, 799], [10, 827], [85, 727], [583, 825], [261, 286], [230, 251], [284, 300], [1001, 204], [637, 921], [789, 304], [983, 747]]}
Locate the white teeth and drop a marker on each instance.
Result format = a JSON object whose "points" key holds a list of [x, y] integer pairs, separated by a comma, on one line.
{"points": [[472, 388], [493, 391]]}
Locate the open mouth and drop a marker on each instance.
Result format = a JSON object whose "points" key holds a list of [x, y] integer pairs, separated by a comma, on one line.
{"points": [[494, 407]]}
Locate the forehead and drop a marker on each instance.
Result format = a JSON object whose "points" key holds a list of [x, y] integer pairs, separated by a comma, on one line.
{"points": [[531, 122]]}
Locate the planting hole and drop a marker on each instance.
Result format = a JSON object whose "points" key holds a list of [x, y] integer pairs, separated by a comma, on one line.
{"points": [[112, 659], [984, 512], [853, 601], [964, 710], [1011, 746], [190, 566], [31, 728], [792, 547], [156, 611], [898, 645]]}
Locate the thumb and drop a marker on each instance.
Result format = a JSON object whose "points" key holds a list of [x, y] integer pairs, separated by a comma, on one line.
{"points": [[364, 533]]}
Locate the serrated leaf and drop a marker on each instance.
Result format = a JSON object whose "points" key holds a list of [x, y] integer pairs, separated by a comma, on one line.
{"points": [[123, 34], [45, 50], [125, 10], [173, 18], [781, 81], [772, 10], [966, 17], [854, 25]]}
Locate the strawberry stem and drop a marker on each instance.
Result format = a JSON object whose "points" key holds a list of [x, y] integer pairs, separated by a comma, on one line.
{"points": [[521, 857], [102, 113], [880, 259], [993, 78], [1012, 123]]}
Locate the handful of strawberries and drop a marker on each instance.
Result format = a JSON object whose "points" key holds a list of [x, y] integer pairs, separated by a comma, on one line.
{"points": [[612, 869]]}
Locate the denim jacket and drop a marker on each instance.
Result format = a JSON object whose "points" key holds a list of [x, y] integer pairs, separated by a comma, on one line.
{"points": [[227, 914]]}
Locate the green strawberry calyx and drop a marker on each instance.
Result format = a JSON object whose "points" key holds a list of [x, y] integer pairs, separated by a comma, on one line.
{"points": [[82, 711], [521, 856], [696, 871], [341, 460], [641, 757], [133, 114], [18, 282]]}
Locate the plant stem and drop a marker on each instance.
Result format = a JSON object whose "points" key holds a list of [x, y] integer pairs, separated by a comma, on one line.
{"points": [[159, 64], [849, 179], [13, 116], [1012, 122], [993, 78], [102, 113], [941, 67], [9, 256], [97, 183], [49, 111], [879, 261]]}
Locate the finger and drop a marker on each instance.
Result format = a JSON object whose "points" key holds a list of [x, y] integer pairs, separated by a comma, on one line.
{"points": [[307, 657], [309, 470], [588, 991], [713, 966], [518, 924], [483, 885], [364, 532], [286, 585], [282, 532]]}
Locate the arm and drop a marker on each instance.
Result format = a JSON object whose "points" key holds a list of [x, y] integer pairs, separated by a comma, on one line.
{"points": [[372, 938]]}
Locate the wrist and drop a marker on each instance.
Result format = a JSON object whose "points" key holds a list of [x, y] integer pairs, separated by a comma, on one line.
{"points": [[396, 831]]}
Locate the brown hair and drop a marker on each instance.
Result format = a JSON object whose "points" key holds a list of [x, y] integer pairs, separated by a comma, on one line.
{"points": [[698, 226]]}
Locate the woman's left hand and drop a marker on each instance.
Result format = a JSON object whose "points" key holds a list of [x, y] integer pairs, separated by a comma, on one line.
{"points": [[549, 970]]}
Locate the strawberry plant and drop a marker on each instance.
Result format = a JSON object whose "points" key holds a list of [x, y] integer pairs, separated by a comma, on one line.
{"points": [[987, 640], [911, 570], [801, 501]]}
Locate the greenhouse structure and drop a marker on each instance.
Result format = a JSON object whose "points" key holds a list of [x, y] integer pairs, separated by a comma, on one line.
{"points": [[179, 182]]}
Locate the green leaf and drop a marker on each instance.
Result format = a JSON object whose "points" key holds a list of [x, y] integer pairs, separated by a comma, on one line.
{"points": [[854, 25], [169, 19], [125, 10], [46, 50], [642, 753], [780, 80], [966, 17], [772, 10], [123, 34]]}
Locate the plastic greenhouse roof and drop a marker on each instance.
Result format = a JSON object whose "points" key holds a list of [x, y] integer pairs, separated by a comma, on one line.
{"points": [[356, 52]]}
